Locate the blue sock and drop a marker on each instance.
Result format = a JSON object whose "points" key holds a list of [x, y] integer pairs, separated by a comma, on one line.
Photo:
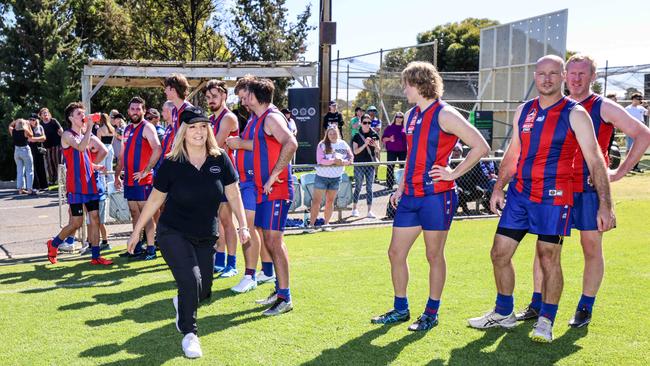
{"points": [[285, 294], [232, 261], [69, 239], [548, 311], [151, 249], [95, 251], [432, 307], [277, 285], [536, 301], [401, 303], [56, 241], [586, 302], [220, 259], [250, 272], [504, 304], [267, 268]]}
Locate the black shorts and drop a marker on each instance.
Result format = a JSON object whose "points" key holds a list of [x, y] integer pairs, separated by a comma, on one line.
{"points": [[77, 209]]}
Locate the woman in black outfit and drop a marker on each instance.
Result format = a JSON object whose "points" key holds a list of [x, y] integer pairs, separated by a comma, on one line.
{"points": [[191, 182], [20, 134], [38, 153]]}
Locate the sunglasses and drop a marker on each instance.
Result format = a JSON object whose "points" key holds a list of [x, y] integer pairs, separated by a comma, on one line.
{"points": [[399, 116], [365, 123]]}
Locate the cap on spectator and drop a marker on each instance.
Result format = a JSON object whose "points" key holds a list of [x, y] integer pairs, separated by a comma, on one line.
{"points": [[33, 116], [285, 111], [117, 115], [193, 115], [332, 102], [113, 113], [371, 108], [153, 112]]}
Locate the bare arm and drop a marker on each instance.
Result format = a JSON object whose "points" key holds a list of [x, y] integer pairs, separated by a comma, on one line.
{"points": [[616, 115], [155, 201], [228, 124], [234, 200], [454, 123], [584, 131], [102, 151], [82, 145], [277, 127], [237, 143]]}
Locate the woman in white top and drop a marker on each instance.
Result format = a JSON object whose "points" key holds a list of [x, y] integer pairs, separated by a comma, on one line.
{"points": [[332, 155]]}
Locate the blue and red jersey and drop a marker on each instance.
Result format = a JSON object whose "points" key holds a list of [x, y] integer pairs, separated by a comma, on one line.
{"points": [[266, 153], [136, 154], [216, 125], [427, 145], [80, 178], [604, 132], [244, 158], [170, 130], [548, 146]]}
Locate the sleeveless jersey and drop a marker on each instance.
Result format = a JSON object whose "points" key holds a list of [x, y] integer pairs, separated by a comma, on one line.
{"points": [[548, 145], [80, 178], [136, 154], [604, 132], [216, 124], [170, 130], [266, 152], [427, 145], [244, 158]]}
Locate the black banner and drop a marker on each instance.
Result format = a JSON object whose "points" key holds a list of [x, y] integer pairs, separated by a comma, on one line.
{"points": [[305, 110]]}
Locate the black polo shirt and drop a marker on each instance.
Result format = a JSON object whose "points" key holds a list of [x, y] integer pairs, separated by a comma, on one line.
{"points": [[52, 137], [193, 196]]}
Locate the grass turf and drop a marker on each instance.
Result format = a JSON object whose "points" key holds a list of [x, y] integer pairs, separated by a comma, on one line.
{"points": [[73, 313]]}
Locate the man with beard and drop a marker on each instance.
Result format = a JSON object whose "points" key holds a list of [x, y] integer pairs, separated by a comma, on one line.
{"points": [[140, 152], [548, 131], [176, 90], [606, 115]]}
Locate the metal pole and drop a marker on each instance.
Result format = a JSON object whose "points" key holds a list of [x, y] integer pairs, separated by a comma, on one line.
{"points": [[347, 89], [336, 95], [325, 62], [435, 53], [381, 78], [605, 87]]}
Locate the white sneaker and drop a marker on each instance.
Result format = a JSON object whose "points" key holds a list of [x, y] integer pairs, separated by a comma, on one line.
{"points": [[262, 278], [542, 330], [371, 215], [85, 249], [269, 300], [355, 213], [309, 230], [175, 302], [192, 346], [65, 247], [246, 284], [327, 228], [493, 319]]}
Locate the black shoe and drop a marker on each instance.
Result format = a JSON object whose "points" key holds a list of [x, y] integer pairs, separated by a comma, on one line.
{"points": [[424, 322], [137, 252], [637, 169], [580, 319], [527, 313], [391, 317]]}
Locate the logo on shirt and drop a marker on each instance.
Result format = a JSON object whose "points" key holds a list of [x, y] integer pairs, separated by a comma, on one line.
{"points": [[249, 172], [529, 121], [555, 192], [215, 170]]}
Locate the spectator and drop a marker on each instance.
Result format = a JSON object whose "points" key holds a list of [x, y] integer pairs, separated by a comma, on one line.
{"points": [[292, 124], [38, 152], [153, 116], [355, 122], [639, 112], [365, 146], [106, 133], [489, 177], [332, 154], [612, 96], [376, 122], [20, 133], [394, 139], [117, 120], [333, 117], [52, 144]]}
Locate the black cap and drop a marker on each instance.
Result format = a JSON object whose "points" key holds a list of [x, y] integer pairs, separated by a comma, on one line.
{"points": [[153, 112], [285, 111], [117, 115], [193, 115], [33, 116]]}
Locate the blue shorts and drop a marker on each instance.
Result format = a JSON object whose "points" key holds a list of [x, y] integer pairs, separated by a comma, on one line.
{"points": [[585, 211], [327, 184], [74, 198], [272, 215], [248, 196], [432, 212], [137, 193], [537, 218]]}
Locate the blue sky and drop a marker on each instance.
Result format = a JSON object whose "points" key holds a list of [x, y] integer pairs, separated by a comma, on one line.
{"points": [[618, 32]]}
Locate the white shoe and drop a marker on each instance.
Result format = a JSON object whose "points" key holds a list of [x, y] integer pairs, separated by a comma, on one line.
{"points": [[85, 249], [327, 228], [371, 215], [175, 302], [246, 284], [192, 346], [269, 300], [542, 330], [309, 230], [65, 247], [262, 278], [355, 213], [493, 319]]}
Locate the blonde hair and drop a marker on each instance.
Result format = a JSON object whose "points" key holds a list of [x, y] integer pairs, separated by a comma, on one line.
{"points": [[580, 57], [179, 151], [425, 78]]}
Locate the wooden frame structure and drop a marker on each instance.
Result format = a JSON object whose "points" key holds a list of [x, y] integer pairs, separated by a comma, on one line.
{"points": [[150, 74]]}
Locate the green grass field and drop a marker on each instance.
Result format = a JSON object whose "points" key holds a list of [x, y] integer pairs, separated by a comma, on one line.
{"points": [[74, 314]]}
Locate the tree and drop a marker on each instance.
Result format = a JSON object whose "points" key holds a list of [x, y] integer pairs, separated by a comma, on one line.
{"points": [[259, 31]]}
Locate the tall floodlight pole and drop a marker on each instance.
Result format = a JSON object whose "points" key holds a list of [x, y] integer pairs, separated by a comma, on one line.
{"points": [[327, 31]]}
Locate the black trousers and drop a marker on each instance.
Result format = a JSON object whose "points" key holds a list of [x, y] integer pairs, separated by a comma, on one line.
{"points": [[393, 156], [191, 261]]}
